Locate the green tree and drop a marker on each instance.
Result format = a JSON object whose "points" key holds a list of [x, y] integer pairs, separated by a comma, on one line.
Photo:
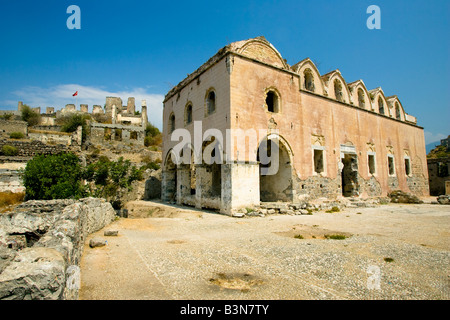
{"points": [[109, 176], [30, 116], [71, 123], [151, 130], [153, 136], [53, 177]]}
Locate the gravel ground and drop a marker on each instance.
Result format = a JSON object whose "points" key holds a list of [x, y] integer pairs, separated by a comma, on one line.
{"points": [[202, 255]]}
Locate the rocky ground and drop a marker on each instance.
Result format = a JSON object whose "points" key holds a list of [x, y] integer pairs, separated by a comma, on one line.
{"points": [[393, 251], [41, 244]]}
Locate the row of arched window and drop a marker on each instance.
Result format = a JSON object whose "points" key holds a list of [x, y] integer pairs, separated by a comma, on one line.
{"points": [[338, 90], [273, 100], [210, 103]]}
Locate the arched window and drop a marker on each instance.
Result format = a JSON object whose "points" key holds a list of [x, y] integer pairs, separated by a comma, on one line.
{"points": [[188, 117], [211, 102], [172, 123], [272, 101], [309, 80], [361, 99], [397, 111], [338, 91], [380, 105]]}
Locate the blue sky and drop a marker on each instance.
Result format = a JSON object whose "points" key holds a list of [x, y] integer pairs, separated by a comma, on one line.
{"points": [[143, 48]]}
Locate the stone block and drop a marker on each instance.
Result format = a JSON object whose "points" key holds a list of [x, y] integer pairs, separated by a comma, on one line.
{"points": [[443, 199], [97, 242], [111, 233]]}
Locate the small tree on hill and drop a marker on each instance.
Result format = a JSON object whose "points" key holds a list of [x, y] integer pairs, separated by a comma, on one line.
{"points": [[30, 116], [153, 136], [71, 123]]}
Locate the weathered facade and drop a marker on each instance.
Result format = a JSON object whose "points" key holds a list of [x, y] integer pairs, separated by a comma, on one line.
{"points": [[332, 139]]}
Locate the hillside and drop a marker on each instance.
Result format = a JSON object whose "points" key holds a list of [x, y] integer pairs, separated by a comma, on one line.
{"points": [[439, 152]]}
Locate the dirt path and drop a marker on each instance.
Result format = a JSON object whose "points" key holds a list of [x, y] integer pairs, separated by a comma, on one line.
{"points": [[201, 255]]}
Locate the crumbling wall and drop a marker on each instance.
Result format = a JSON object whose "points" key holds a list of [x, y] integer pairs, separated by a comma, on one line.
{"points": [[317, 187], [56, 137], [417, 183], [8, 126], [113, 101], [439, 173], [41, 243], [103, 132], [11, 180], [47, 120], [32, 148], [392, 183], [370, 187]]}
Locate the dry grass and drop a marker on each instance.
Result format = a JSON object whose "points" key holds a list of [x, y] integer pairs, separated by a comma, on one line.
{"points": [[8, 199], [50, 132]]}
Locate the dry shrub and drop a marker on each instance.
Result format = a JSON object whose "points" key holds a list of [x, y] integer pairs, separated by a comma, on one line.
{"points": [[8, 198]]}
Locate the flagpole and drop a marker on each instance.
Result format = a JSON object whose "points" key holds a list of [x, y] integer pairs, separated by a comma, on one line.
{"points": [[76, 98]]}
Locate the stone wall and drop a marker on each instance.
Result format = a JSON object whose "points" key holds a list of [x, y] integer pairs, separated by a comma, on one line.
{"points": [[316, 187], [10, 180], [8, 126], [57, 137], [102, 133], [41, 244], [370, 187], [438, 172], [32, 148]]}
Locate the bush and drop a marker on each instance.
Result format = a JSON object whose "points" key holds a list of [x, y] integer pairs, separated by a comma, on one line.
{"points": [[108, 176], [17, 135], [6, 116], [333, 209], [31, 117], [8, 150], [151, 130], [150, 164], [336, 236], [53, 177], [71, 123], [153, 136]]}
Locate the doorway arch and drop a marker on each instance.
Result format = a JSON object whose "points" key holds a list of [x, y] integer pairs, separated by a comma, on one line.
{"points": [[274, 156]]}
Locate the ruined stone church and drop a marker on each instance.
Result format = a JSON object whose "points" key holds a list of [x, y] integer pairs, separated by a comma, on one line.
{"points": [[334, 139]]}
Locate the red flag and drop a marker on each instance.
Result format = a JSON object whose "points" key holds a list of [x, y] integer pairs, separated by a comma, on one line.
{"points": [[75, 94]]}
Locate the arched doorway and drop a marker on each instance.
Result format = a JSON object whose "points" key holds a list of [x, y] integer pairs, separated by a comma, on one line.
{"points": [[186, 177], [349, 171], [212, 163], [275, 170]]}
